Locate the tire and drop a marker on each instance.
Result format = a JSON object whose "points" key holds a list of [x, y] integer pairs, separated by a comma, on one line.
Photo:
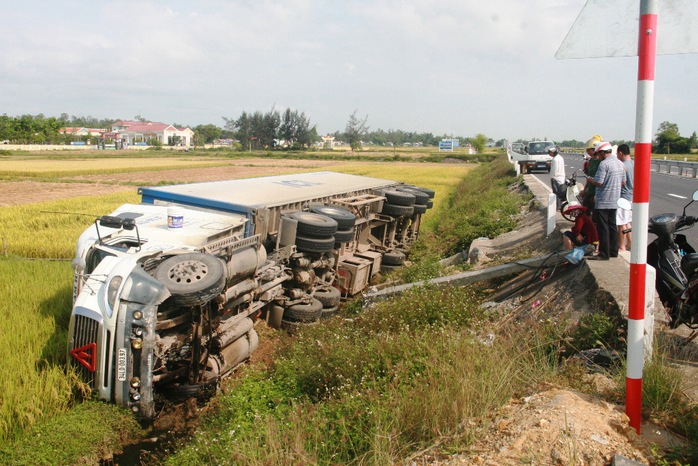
{"points": [[389, 268], [304, 312], [400, 198], [344, 236], [420, 197], [314, 225], [397, 210], [192, 279], [429, 192], [294, 327], [393, 258], [528, 169], [329, 297], [315, 244], [345, 219], [430, 204], [420, 209], [329, 312]]}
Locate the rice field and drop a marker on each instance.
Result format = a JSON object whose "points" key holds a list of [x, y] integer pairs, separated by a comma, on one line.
{"points": [[56, 168]]}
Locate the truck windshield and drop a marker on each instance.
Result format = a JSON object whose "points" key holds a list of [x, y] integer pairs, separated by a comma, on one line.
{"points": [[94, 257], [538, 147]]}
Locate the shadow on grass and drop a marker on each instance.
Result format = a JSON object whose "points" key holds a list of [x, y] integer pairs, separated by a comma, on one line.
{"points": [[58, 308]]}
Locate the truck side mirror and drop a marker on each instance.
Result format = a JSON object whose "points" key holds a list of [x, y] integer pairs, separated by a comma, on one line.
{"points": [[128, 224], [110, 222]]}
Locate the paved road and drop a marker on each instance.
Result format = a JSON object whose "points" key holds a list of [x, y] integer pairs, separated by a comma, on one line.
{"points": [[668, 193]]}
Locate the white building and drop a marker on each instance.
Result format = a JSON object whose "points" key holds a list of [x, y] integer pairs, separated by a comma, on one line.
{"points": [[140, 132]]}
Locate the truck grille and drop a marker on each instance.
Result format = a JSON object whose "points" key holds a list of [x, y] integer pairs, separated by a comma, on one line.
{"points": [[85, 333]]}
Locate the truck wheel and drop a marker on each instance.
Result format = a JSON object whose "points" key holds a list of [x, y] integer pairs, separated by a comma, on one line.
{"points": [[315, 225], [304, 312], [345, 219], [528, 169], [192, 279], [393, 258], [315, 244], [397, 210], [395, 197], [344, 236], [420, 197], [429, 192], [295, 327], [420, 209], [389, 268], [329, 312], [329, 297]]}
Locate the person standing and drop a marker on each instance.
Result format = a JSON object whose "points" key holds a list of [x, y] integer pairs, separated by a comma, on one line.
{"points": [[557, 174], [608, 180], [589, 190], [624, 217]]}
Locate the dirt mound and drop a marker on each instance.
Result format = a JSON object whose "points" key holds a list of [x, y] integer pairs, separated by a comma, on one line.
{"points": [[555, 426]]}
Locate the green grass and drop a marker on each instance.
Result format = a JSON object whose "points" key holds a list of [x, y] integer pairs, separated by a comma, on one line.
{"points": [[86, 434]]}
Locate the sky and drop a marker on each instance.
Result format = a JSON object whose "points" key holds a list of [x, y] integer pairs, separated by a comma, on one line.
{"points": [[454, 67]]}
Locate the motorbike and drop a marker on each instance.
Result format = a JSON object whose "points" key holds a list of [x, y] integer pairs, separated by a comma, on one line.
{"points": [[676, 263], [571, 205]]}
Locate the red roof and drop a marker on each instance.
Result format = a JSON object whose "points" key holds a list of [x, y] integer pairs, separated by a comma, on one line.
{"points": [[143, 126]]}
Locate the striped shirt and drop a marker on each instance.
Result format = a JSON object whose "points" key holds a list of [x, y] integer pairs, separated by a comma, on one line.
{"points": [[610, 177]]}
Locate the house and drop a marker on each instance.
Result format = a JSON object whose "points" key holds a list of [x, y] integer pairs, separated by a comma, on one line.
{"points": [[328, 142], [73, 131], [139, 132]]}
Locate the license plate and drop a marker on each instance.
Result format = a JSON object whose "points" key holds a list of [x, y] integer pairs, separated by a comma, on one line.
{"points": [[121, 365]]}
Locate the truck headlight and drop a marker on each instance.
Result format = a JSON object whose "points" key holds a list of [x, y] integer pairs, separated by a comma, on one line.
{"points": [[112, 290]]}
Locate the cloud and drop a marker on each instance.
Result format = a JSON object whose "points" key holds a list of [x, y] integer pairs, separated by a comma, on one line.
{"points": [[424, 65]]}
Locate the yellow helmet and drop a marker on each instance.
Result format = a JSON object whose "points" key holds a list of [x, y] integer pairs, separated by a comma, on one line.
{"points": [[592, 142]]}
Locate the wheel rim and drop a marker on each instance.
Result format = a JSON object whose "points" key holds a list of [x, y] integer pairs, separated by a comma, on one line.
{"points": [[189, 271]]}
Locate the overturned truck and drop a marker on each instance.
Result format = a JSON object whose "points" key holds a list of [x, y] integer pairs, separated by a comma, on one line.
{"points": [[167, 292]]}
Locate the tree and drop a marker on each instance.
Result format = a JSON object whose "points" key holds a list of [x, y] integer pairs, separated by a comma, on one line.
{"points": [[668, 140], [206, 134], [355, 130], [479, 142]]}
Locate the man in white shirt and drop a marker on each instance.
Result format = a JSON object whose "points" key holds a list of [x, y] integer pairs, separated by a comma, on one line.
{"points": [[557, 174]]}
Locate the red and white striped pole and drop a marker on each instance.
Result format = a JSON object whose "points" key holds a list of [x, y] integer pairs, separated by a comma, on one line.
{"points": [[647, 46]]}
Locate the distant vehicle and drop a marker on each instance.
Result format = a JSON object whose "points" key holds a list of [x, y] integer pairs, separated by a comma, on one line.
{"points": [[536, 156]]}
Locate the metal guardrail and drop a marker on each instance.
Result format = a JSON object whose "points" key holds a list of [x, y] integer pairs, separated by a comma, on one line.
{"points": [[668, 167], [675, 167]]}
